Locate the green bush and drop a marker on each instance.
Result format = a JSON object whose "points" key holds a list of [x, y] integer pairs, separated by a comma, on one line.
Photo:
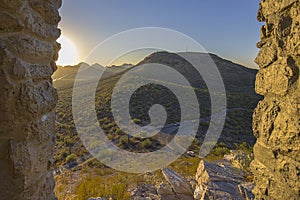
{"points": [[136, 121], [123, 140], [114, 186], [203, 123], [110, 125], [244, 147], [220, 151], [146, 143], [118, 131], [71, 158]]}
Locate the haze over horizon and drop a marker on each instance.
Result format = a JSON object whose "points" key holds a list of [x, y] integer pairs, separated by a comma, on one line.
{"points": [[228, 29]]}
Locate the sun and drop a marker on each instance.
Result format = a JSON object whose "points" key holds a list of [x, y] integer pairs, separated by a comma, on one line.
{"points": [[68, 53]]}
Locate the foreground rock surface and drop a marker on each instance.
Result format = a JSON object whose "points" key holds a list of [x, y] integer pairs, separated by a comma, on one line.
{"points": [[221, 181], [178, 183], [145, 192], [214, 180], [177, 188]]}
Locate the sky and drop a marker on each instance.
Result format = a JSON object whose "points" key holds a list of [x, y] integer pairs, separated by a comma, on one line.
{"points": [[226, 28]]}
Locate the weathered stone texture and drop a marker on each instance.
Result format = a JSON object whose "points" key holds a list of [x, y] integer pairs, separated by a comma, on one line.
{"points": [[28, 51], [276, 120], [220, 180]]}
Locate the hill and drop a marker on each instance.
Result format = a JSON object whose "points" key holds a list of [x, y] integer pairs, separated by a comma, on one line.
{"points": [[64, 76], [241, 100], [237, 78]]}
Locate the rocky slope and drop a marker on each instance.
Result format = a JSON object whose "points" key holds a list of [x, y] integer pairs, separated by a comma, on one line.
{"points": [[237, 127], [238, 81], [213, 180], [237, 78]]}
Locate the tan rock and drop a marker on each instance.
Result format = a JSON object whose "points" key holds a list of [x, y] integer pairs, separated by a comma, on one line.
{"points": [[220, 180], [30, 49], [144, 192], [275, 79], [48, 11], [276, 164], [267, 55], [9, 23], [178, 183], [27, 52]]}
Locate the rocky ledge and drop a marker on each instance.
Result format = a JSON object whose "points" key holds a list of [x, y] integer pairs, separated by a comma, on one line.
{"points": [[213, 180], [220, 180]]}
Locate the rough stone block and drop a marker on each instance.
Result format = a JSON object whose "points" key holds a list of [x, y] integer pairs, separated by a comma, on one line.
{"points": [[10, 23], [274, 79], [48, 12], [30, 49], [36, 100], [266, 56]]}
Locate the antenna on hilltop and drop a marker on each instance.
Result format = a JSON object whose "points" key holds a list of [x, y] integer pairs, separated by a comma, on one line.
{"points": [[186, 48]]}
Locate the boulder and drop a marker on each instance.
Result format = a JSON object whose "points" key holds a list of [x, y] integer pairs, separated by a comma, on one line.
{"points": [[165, 192], [239, 159], [179, 184], [145, 192], [219, 180]]}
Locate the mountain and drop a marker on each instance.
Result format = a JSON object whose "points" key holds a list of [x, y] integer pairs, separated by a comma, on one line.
{"points": [[240, 95], [237, 78], [64, 76], [74, 160], [239, 86]]}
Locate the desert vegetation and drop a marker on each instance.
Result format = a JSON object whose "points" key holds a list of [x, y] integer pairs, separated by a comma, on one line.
{"points": [[95, 179]]}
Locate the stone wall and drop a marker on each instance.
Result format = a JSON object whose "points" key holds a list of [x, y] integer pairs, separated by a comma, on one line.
{"points": [[28, 49], [276, 165]]}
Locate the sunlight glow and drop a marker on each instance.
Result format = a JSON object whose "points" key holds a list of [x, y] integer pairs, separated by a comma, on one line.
{"points": [[68, 53]]}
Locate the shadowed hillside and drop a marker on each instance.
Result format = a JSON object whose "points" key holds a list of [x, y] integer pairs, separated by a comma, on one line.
{"points": [[241, 99]]}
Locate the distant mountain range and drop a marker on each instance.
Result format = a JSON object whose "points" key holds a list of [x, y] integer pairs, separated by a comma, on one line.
{"points": [[74, 160], [64, 76], [238, 81], [237, 78]]}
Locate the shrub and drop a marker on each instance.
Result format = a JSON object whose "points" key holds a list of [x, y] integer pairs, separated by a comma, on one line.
{"points": [[118, 131], [114, 186], [220, 151], [69, 141], [204, 123], [71, 158], [146, 143], [244, 147], [123, 140], [110, 125], [136, 121]]}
